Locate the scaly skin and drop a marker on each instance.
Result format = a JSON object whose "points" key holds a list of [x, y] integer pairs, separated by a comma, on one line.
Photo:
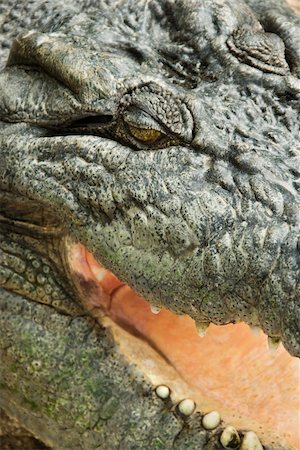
{"points": [[204, 221]]}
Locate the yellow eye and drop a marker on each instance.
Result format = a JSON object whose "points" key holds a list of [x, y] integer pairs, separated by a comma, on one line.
{"points": [[146, 135]]}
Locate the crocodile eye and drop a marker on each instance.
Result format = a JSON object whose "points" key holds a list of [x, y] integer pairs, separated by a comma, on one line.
{"points": [[147, 135]]}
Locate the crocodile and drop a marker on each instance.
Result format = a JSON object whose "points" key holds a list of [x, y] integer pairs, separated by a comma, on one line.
{"points": [[149, 220]]}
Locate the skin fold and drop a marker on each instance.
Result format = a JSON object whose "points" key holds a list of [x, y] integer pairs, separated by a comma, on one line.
{"points": [[164, 138]]}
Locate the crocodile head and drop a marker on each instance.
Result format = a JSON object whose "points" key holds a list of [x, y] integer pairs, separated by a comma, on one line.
{"points": [[150, 164]]}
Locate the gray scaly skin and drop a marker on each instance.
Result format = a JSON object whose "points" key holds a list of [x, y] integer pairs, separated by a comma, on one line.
{"points": [[204, 220]]}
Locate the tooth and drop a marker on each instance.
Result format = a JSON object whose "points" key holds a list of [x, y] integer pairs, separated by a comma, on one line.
{"points": [[155, 309], [251, 442], [42, 40], [254, 330], [99, 272], [201, 328], [230, 438], [162, 392], [211, 420], [273, 343], [187, 407], [28, 34]]}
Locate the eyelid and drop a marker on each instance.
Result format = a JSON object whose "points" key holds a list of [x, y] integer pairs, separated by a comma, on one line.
{"points": [[140, 119]]}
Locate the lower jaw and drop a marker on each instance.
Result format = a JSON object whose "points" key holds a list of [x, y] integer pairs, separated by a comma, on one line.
{"points": [[229, 369]]}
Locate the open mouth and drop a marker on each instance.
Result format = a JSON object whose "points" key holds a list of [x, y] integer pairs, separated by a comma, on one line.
{"points": [[229, 369]]}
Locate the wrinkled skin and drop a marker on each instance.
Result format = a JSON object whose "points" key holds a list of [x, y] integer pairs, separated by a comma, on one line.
{"points": [[203, 219]]}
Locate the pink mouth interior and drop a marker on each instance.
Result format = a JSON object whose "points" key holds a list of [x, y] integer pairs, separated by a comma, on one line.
{"points": [[228, 364]]}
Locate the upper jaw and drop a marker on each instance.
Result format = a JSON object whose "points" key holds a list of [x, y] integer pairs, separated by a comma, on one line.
{"points": [[211, 217], [180, 242]]}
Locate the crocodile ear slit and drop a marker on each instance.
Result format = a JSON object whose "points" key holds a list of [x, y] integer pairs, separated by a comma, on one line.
{"points": [[91, 121], [265, 51], [277, 17]]}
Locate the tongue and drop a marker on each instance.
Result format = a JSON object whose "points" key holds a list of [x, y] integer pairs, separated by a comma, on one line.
{"points": [[229, 363]]}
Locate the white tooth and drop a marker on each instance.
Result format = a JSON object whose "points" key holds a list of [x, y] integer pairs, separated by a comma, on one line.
{"points": [[273, 343], [162, 392], [254, 330], [28, 34], [201, 328], [154, 309], [42, 40], [99, 272], [230, 438], [187, 407], [211, 420], [251, 442]]}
